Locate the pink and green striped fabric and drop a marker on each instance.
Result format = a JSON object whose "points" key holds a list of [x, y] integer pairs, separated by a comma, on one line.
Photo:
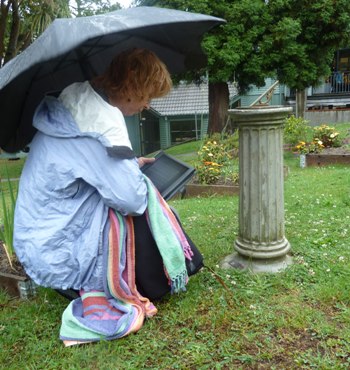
{"points": [[120, 309]]}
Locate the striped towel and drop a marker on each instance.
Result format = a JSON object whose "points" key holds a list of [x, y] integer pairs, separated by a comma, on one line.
{"points": [[120, 309]]}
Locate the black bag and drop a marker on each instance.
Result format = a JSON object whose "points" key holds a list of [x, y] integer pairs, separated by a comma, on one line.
{"points": [[150, 278]]}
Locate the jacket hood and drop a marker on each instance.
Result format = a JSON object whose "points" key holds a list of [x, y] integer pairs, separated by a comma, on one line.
{"points": [[81, 111], [53, 119]]}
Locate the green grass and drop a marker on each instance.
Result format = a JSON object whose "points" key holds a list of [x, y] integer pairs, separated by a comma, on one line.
{"points": [[343, 128], [186, 152], [189, 147], [5, 191], [12, 167], [296, 319]]}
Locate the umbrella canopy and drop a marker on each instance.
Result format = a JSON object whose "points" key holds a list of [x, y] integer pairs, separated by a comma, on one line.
{"points": [[76, 49]]}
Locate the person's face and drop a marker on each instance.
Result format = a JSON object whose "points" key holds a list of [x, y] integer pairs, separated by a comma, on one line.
{"points": [[129, 107], [137, 106]]}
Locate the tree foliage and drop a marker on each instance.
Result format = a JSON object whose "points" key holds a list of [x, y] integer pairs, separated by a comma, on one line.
{"points": [[82, 8], [232, 49], [21, 21], [292, 40], [302, 37]]}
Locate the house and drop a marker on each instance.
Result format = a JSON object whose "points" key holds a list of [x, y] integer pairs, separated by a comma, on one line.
{"points": [[278, 95], [180, 116], [329, 102]]}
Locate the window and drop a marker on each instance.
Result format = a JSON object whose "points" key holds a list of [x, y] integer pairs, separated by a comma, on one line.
{"points": [[343, 60], [183, 130]]}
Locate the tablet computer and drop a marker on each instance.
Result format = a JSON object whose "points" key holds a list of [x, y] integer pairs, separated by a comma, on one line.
{"points": [[168, 174]]}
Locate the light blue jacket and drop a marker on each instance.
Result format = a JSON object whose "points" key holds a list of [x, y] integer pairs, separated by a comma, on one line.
{"points": [[68, 183]]}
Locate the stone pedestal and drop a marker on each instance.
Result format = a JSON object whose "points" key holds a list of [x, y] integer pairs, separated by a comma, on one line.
{"points": [[261, 244]]}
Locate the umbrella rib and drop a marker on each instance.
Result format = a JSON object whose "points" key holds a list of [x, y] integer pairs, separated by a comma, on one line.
{"points": [[80, 56]]}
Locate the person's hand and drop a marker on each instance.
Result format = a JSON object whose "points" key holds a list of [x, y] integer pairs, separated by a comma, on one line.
{"points": [[143, 160]]}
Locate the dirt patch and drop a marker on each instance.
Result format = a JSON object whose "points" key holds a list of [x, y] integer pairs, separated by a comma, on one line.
{"points": [[220, 181], [336, 151], [5, 265]]}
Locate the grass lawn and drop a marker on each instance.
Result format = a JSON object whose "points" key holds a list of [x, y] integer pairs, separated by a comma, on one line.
{"points": [[296, 319], [11, 168]]}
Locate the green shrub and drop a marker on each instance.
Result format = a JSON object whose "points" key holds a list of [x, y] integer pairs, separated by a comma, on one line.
{"points": [[296, 130]]}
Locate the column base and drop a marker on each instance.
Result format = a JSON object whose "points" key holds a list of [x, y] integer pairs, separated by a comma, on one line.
{"points": [[261, 250], [270, 265]]}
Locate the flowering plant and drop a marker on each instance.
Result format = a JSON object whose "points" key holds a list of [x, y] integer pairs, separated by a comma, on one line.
{"points": [[328, 135], [314, 146], [208, 172], [212, 157]]}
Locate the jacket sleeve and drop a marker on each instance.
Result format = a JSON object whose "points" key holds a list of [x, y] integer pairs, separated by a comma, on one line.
{"points": [[120, 182]]}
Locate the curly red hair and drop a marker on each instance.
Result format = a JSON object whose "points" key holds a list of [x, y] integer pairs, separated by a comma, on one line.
{"points": [[136, 73]]}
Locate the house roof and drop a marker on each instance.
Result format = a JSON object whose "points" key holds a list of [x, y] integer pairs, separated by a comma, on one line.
{"points": [[185, 99]]}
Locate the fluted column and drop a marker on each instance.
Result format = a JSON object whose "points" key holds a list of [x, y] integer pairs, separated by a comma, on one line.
{"points": [[261, 244]]}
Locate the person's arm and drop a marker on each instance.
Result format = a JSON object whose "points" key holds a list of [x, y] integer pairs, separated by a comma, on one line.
{"points": [[119, 181]]}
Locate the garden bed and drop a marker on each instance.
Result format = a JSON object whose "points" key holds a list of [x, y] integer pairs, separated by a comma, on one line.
{"points": [[329, 156], [15, 281], [222, 187], [194, 190]]}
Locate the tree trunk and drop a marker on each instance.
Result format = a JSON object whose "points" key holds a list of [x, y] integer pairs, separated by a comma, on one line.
{"points": [[218, 106], [3, 19], [300, 103], [14, 33]]}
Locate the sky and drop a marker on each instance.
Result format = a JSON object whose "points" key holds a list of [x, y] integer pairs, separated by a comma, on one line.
{"points": [[123, 3]]}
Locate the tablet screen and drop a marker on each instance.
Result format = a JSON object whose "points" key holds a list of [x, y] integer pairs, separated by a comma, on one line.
{"points": [[168, 174]]}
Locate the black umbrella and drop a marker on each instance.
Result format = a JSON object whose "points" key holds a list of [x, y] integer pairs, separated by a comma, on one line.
{"points": [[76, 49]]}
